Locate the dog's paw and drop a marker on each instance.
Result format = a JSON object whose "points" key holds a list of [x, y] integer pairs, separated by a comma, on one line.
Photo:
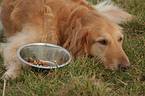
{"points": [[9, 75]]}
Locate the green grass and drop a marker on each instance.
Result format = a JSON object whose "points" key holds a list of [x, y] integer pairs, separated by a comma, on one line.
{"points": [[88, 76]]}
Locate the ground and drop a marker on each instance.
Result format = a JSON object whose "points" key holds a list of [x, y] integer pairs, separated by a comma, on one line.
{"points": [[88, 76]]}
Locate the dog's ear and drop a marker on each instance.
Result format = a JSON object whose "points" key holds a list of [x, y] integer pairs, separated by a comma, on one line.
{"points": [[85, 41], [112, 12]]}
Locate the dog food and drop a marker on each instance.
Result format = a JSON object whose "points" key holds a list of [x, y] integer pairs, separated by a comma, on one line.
{"points": [[37, 62]]}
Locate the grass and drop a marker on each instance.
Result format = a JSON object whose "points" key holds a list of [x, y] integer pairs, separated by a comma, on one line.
{"points": [[88, 76]]}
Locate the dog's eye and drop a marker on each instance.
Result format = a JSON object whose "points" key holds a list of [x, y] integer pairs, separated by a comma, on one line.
{"points": [[103, 42], [120, 39]]}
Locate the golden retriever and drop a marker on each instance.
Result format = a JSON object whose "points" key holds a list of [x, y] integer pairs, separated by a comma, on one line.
{"points": [[78, 26]]}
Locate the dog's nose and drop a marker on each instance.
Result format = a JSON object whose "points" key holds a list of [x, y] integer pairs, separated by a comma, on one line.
{"points": [[124, 64]]}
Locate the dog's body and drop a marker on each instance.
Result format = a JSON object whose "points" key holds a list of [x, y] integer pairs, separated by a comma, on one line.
{"points": [[74, 24]]}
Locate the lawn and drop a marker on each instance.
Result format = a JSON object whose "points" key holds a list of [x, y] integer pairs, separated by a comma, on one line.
{"points": [[88, 76]]}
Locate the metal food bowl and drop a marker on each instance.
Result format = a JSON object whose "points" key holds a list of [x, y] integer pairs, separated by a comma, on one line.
{"points": [[52, 55]]}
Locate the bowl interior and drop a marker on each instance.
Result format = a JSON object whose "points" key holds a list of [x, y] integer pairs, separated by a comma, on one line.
{"points": [[45, 52]]}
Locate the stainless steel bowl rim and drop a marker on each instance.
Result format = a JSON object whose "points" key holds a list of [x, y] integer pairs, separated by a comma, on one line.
{"points": [[47, 44]]}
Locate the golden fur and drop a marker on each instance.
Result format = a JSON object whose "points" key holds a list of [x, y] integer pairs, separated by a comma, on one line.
{"points": [[76, 25]]}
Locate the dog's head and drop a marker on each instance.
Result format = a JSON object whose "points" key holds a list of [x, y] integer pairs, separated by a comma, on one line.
{"points": [[104, 38]]}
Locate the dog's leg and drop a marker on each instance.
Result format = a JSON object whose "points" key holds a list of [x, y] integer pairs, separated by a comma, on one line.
{"points": [[9, 50]]}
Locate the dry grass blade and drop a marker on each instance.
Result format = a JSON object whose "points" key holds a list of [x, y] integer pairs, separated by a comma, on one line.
{"points": [[4, 87]]}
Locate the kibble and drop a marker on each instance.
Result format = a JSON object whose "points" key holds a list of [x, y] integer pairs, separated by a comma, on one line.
{"points": [[31, 60], [37, 62]]}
